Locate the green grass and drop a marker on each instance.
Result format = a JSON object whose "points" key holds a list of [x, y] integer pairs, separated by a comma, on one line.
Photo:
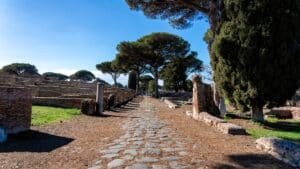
{"points": [[42, 115], [227, 118], [285, 129]]}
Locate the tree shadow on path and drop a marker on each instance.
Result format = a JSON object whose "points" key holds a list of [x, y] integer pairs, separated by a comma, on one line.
{"points": [[33, 141]]}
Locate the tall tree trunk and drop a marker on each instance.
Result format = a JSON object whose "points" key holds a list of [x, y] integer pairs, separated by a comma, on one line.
{"points": [[257, 113], [156, 84], [137, 88], [176, 87], [115, 80]]}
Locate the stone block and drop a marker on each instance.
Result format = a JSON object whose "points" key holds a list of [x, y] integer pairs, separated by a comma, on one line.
{"points": [[210, 119], [189, 113], [296, 113], [283, 150], [229, 128], [171, 104], [286, 112], [88, 106]]}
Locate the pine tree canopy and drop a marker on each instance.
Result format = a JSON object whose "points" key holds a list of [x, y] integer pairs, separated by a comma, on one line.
{"points": [[180, 13], [20, 69], [83, 75], [59, 76]]}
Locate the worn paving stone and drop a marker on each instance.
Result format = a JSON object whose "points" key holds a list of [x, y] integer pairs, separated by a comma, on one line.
{"points": [[131, 152], [111, 151], [159, 167], [95, 167], [168, 149], [115, 163], [117, 146], [183, 153], [196, 161], [151, 151], [171, 158], [110, 155], [150, 145], [146, 140], [175, 165], [137, 166], [128, 157], [98, 162], [138, 142], [147, 160]]}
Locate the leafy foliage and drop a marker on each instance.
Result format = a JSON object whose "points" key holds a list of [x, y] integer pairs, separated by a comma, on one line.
{"points": [[111, 68], [151, 87], [144, 81], [58, 76], [164, 48], [20, 69], [189, 85], [180, 13], [101, 81], [177, 70], [256, 55], [131, 57], [83, 75]]}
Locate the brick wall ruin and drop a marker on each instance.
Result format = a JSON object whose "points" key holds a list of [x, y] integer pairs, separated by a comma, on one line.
{"points": [[68, 94], [15, 109]]}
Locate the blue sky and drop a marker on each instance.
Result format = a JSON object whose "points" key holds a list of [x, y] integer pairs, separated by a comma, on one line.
{"points": [[68, 35]]}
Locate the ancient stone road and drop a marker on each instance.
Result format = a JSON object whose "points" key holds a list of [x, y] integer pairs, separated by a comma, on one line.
{"points": [[147, 144]]}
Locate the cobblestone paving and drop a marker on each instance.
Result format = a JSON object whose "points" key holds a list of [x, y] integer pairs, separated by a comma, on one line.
{"points": [[147, 144]]}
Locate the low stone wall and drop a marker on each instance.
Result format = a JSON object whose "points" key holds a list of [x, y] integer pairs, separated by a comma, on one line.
{"points": [[15, 109], [170, 103], [286, 112], [203, 104], [283, 150], [122, 96], [67, 94], [58, 102], [219, 124]]}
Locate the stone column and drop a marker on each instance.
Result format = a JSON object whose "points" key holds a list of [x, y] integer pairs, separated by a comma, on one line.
{"points": [[99, 99], [198, 96], [219, 101], [222, 107]]}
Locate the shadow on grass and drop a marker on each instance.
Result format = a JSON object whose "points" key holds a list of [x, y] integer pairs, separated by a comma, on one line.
{"points": [[33, 141], [283, 125], [280, 125], [235, 116], [257, 161]]}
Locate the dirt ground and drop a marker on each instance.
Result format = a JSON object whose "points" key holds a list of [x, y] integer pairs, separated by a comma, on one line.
{"points": [[71, 144], [75, 144], [217, 150]]}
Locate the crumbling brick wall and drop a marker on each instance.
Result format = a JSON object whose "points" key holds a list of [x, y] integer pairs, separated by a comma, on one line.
{"points": [[203, 98], [64, 93], [15, 109]]}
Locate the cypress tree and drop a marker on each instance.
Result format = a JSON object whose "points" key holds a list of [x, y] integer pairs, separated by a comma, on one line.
{"points": [[255, 56], [132, 80]]}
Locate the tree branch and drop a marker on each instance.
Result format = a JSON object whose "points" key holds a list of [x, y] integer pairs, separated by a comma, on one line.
{"points": [[194, 5]]}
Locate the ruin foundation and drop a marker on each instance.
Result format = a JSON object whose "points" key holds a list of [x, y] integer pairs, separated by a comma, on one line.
{"points": [[15, 109]]}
